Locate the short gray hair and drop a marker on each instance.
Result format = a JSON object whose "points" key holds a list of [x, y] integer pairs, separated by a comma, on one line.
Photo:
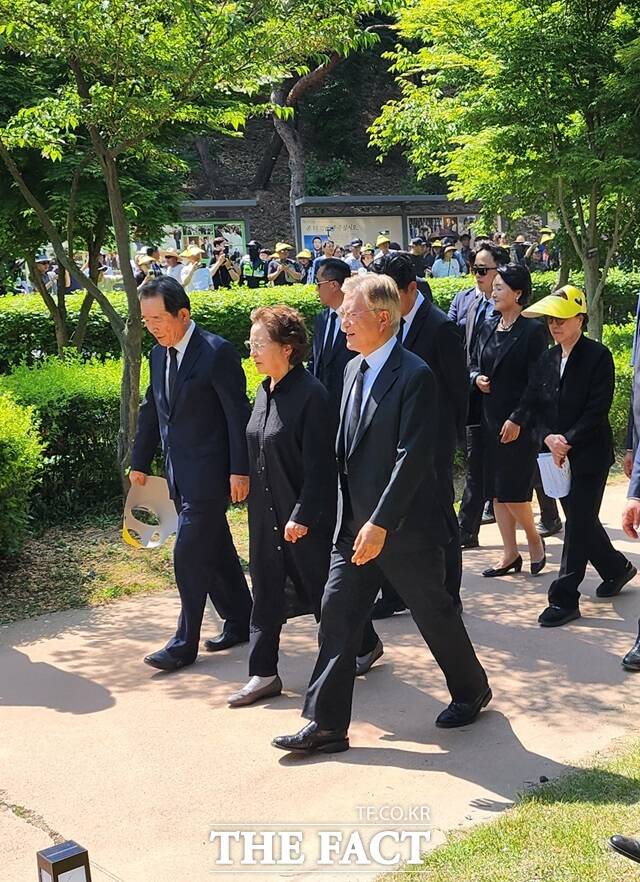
{"points": [[379, 292]]}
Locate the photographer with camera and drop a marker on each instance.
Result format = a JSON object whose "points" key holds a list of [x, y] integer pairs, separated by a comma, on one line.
{"points": [[222, 269], [281, 270]]}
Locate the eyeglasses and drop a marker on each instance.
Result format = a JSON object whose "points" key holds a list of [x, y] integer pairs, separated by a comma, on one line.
{"points": [[255, 347], [483, 270], [352, 316], [324, 282]]}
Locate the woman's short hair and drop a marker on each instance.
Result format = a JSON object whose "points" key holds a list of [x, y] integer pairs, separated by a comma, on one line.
{"points": [[518, 278], [286, 326], [379, 292]]}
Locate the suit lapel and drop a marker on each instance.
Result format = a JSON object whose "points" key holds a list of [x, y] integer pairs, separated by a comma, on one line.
{"points": [[384, 381], [417, 323], [516, 332], [471, 320], [189, 358], [318, 339]]}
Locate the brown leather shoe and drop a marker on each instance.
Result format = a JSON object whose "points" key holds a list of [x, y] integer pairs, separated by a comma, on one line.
{"points": [[247, 695]]}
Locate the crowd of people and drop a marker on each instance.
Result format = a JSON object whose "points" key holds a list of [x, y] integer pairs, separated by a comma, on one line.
{"points": [[347, 464]]}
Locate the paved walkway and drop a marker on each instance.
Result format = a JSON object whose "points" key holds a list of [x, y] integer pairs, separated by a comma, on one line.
{"points": [[139, 766]]}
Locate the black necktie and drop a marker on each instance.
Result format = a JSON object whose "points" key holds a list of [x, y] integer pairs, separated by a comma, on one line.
{"points": [[400, 334], [354, 416], [327, 344], [173, 372]]}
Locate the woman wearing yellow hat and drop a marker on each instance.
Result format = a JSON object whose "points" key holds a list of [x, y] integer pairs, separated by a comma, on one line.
{"points": [[568, 401]]}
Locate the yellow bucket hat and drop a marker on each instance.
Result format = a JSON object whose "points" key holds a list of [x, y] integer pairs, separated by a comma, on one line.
{"points": [[382, 239], [304, 253], [191, 251], [564, 303], [282, 246]]}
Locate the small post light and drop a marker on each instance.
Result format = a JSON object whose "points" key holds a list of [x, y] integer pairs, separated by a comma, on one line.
{"points": [[68, 862]]}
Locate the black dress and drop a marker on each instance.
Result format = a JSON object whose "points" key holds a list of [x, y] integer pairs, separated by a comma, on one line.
{"points": [[293, 477], [508, 359]]}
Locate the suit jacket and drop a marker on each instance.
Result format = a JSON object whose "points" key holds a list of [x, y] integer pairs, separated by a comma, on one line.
{"points": [[576, 405], [438, 341], [203, 433], [511, 371], [460, 306], [330, 369], [390, 467]]}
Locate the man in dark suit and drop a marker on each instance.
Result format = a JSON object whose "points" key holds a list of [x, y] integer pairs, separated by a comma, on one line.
{"points": [[196, 407], [329, 355], [390, 523], [425, 330]]}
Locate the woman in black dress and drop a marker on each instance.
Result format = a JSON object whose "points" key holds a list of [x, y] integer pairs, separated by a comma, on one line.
{"points": [[568, 401], [507, 349], [292, 500]]}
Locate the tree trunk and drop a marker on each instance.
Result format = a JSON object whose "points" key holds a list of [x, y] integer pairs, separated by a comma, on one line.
{"points": [[563, 271], [267, 163], [59, 318], [211, 167], [295, 148], [596, 309]]}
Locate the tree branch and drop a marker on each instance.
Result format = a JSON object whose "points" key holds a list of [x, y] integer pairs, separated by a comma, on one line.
{"points": [[568, 222], [115, 319], [73, 197]]}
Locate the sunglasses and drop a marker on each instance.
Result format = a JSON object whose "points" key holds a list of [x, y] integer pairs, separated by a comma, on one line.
{"points": [[482, 270]]}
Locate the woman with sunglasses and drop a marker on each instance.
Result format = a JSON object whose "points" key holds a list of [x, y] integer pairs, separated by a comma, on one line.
{"points": [[502, 363], [292, 500], [568, 401]]}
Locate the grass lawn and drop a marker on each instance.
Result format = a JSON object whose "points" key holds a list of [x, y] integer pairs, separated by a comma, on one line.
{"points": [[557, 833], [88, 563]]}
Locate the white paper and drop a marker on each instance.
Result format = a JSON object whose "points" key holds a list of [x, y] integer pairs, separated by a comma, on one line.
{"points": [[44, 876], [77, 875], [556, 480], [154, 497]]}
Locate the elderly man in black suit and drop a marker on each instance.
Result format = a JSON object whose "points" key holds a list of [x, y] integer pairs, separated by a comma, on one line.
{"points": [[391, 523], [426, 330], [196, 407], [330, 355]]}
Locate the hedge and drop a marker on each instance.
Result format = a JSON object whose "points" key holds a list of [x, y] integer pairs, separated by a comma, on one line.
{"points": [[20, 461], [77, 405], [26, 330]]}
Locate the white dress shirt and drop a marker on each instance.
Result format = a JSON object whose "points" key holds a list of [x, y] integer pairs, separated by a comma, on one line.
{"points": [[376, 361], [335, 329], [174, 271], [180, 347], [409, 317]]}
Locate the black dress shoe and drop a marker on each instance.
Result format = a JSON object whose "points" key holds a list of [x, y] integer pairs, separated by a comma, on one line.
{"points": [[631, 661], [313, 739], [515, 566], [554, 616], [626, 846], [365, 662], [469, 540], [613, 587], [384, 609], [538, 566], [546, 530], [461, 713], [225, 641], [164, 661], [488, 517]]}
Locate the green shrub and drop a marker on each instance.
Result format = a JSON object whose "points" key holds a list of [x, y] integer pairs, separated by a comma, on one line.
{"points": [[77, 405], [26, 329], [20, 460]]}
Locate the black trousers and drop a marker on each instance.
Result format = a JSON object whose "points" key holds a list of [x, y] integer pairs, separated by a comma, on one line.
{"points": [[585, 541], [348, 600], [549, 513], [206, 564], [452, 582], [473, 496]]}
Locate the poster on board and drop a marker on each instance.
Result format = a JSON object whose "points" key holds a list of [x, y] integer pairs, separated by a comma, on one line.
{"points": [[342, 230], [202, 233], [432, 226]]}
